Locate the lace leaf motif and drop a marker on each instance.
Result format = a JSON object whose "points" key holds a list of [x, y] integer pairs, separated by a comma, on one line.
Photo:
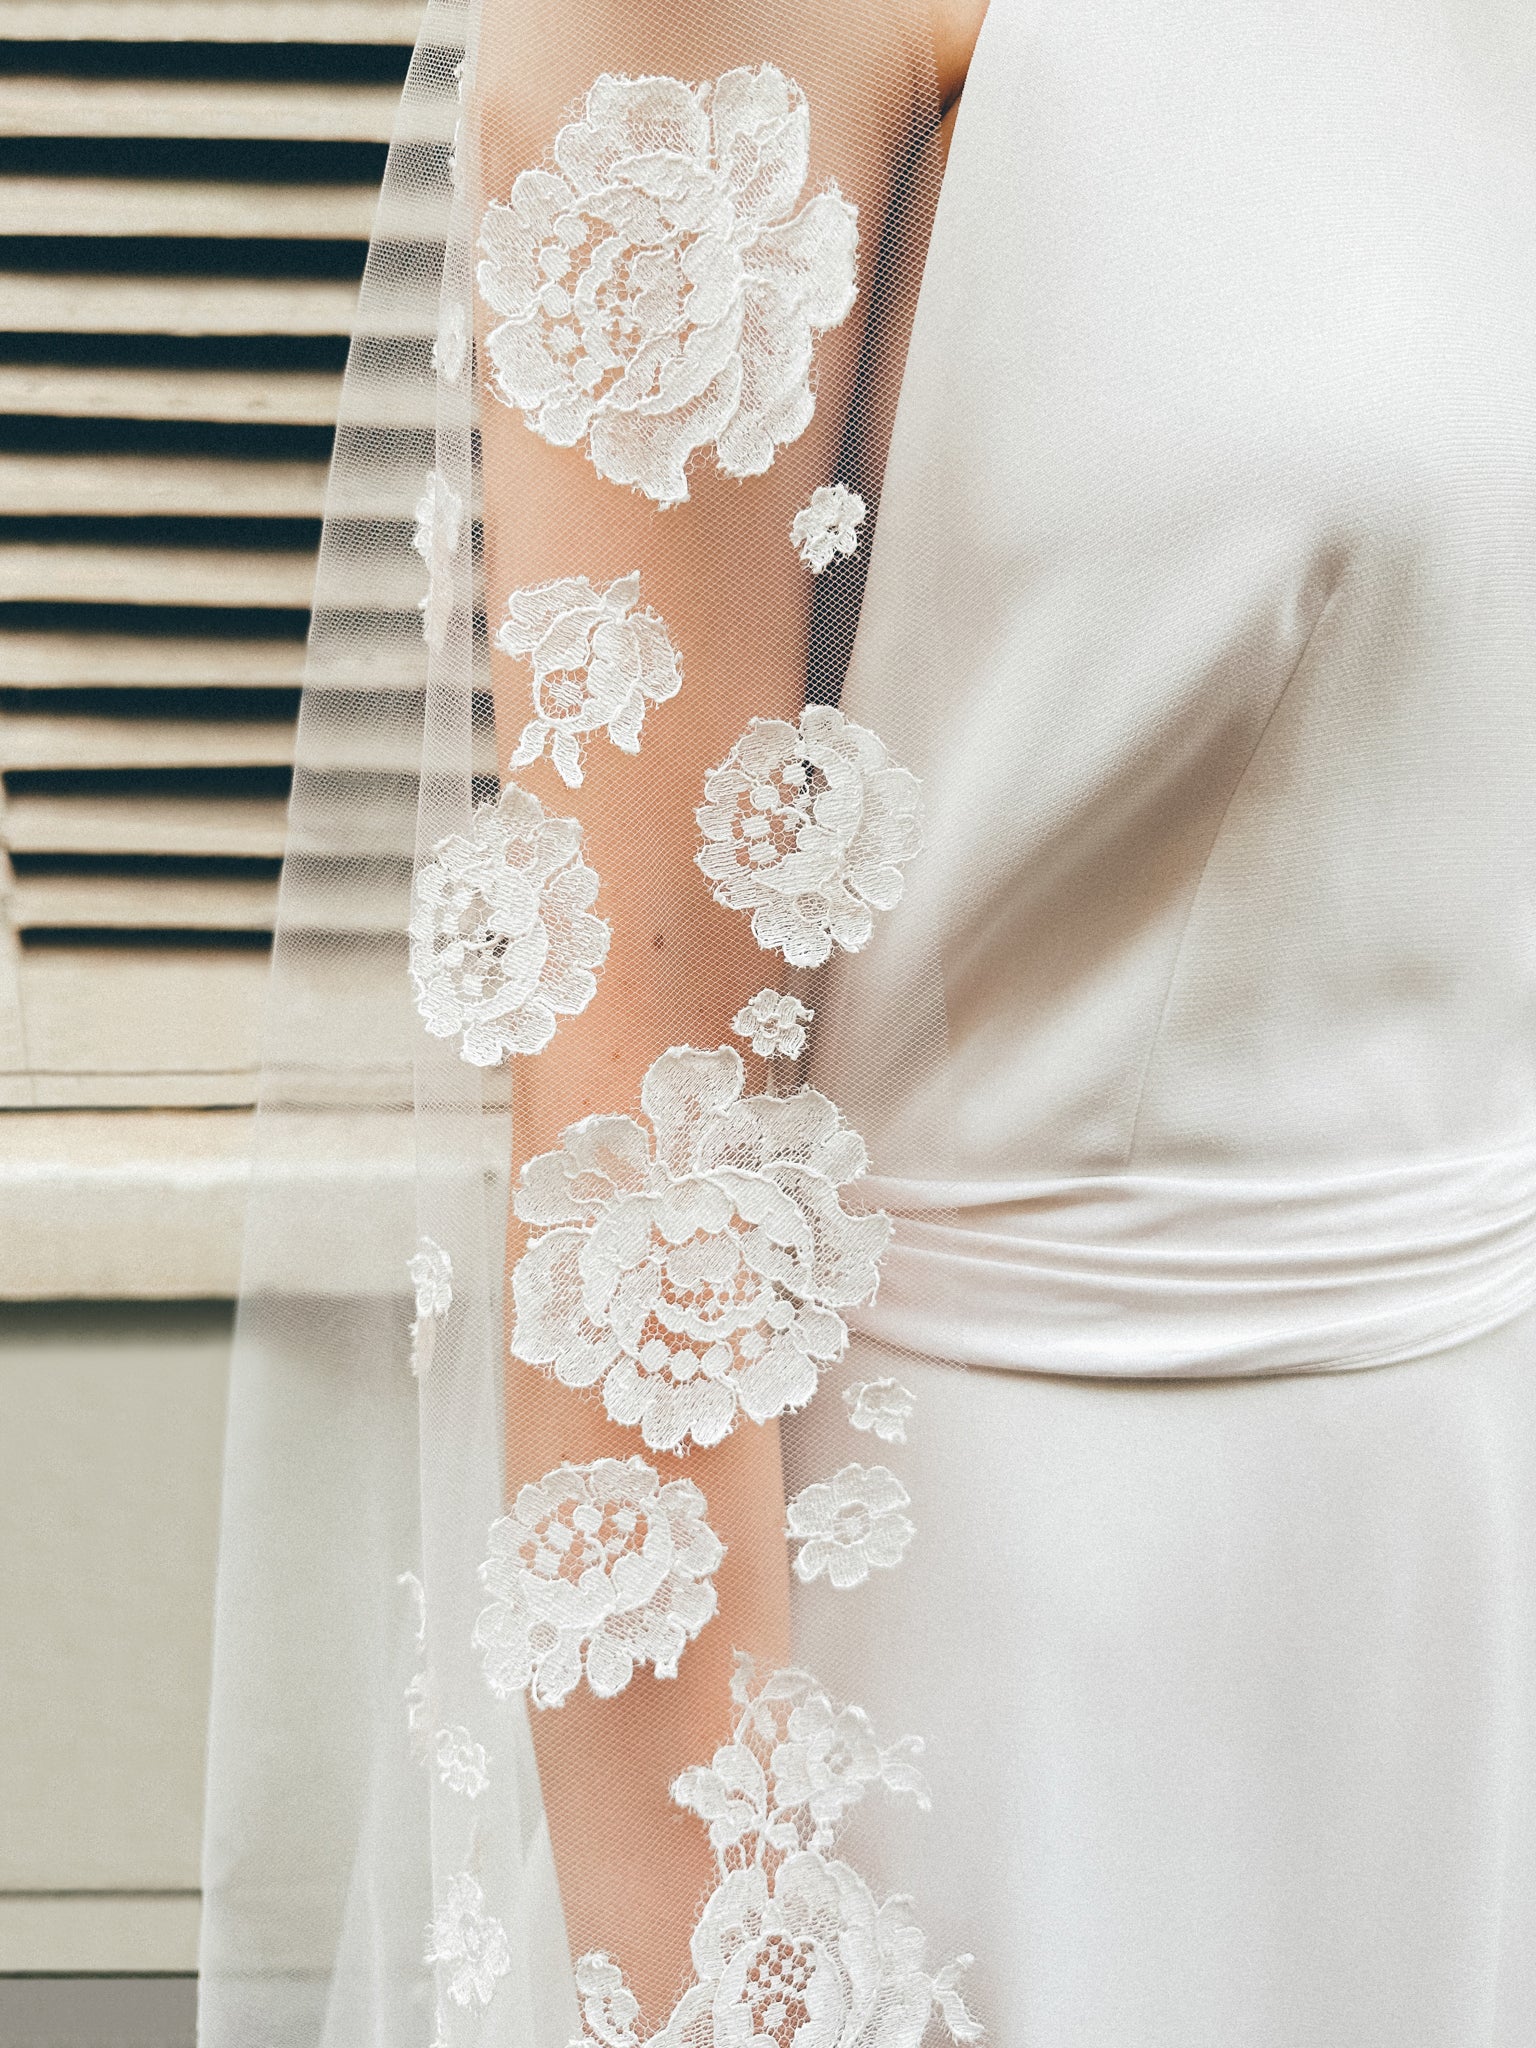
{"points": [[693, 1266], [791, 1949], [659, 294]]}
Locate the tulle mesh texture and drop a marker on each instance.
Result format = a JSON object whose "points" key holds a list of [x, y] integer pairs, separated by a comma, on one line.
{"points": [[556, 1213]]}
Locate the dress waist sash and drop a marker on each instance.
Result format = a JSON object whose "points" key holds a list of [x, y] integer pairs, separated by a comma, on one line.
{"points": [[1168, 1276]]}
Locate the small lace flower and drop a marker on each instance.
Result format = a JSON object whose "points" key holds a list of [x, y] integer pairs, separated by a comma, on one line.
{"points": [[462, 1763], [774, 1024], [828, 526], [418, 1693], [469, 1943], [829, 1758], [695, 1268], [849, 1525], [608, 2007], [598, 1568], [501, 939], [807, 826], [885, 1406], [658, 293], [439, 520], [450, 351], [431, 1274], [597, 662]]}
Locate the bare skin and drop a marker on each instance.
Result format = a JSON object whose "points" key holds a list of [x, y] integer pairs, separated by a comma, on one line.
{"points": [[632, 1866]]}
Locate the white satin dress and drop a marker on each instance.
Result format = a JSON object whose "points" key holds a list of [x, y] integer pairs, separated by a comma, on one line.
{"points": [[1203, 601]]}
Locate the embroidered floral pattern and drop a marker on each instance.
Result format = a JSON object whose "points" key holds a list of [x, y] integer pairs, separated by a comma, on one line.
{"points": [[792, 1949], [439, 520], [501, 939], [462, 1764], [597, 662], [658, 293], [850, 1525], [885, 1406], [807, 826], [828, 526], [598, 1568], [431, 1274], [450, 351], [467, 1943], [774, 1024], [696, 1267], [418, 1693]]}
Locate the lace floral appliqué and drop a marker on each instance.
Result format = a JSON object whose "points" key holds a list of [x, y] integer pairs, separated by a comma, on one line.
{"points": [[501, 939], [658, 292], [828, 526], [698, 1266], [462, 1764], [773, 1024], [468, 1943], [450, 351], [597, 662], [439, 518], [884, 1406], [431, 1274], [807, 826], [850, 1525], [598, 1568], [791, 1949]]}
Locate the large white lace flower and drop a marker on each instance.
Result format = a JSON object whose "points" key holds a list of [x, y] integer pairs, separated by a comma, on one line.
{"points": [[774, 1024], [598, 1568], [695, 1268], [658, 292], [828, 526], [850, 1524], [439, 520], [807, 826], [469, 1943], [597, 662], [791, 1949], [501, 939], [885, 1406], [431, 1274]]}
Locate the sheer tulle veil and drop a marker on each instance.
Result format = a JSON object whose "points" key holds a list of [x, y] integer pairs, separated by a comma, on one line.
{"points": [[603, 1038]]}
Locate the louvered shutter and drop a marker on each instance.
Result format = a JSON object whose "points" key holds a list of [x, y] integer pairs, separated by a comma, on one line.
{"points": [[186, 189]]}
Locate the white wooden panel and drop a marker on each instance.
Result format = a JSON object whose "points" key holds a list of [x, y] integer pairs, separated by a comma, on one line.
{"points": [[306, 398], [142, 1205], [109, 1473], [185, 206], [39, 823], [62, 739], [142, 486], [151, 902], [210, 21], [68, 660], [214, 109], [118, 1010], [102, 1933], [40, 572], [43, 302]]}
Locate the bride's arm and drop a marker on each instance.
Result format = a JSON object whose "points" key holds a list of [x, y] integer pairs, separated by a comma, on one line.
{"points": [[723, 575]]}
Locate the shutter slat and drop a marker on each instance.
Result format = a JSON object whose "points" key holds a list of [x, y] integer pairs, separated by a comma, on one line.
{"points": [[57, 739], [210, 21], [44, 574], [276, 397], [186, 206], [150, 485], [40, 302], [207, 109], [155, 902], [236, 825], [114, 1010], [74, 660]]}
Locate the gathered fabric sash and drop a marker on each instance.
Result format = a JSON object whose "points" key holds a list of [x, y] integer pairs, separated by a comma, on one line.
{"points": [[1189, 1276]]}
